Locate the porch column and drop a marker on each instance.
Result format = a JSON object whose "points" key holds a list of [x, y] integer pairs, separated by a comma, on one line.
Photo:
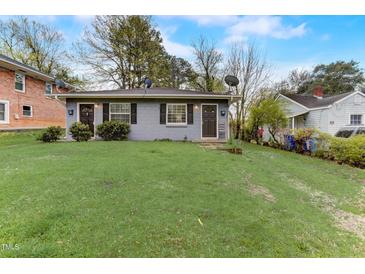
{"points": [[292, 122]]}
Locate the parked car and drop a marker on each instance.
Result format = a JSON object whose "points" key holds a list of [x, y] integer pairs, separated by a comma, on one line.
{"points": [[347, 132]]}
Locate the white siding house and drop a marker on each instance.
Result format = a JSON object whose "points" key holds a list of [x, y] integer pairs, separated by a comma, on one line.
{"points": [[328, 114]]}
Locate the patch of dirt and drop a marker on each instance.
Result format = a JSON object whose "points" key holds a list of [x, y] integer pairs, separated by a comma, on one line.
{"points": [[258, 190], [211, 145], [346, 220]]}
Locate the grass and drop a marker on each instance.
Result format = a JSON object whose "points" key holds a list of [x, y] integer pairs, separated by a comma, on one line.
{"points": [[167, 199]]}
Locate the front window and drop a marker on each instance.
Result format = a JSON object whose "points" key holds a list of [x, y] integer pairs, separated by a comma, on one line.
{"points": [[176, 114], [120, 112], [48, 88], [27, 111], [4, 112], [19, 82], [355, 119]]}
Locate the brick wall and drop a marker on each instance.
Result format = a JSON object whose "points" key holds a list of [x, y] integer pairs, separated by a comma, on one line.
{"points": [[46, 111]]}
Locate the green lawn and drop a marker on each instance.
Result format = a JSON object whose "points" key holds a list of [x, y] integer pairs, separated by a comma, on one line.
{"points": [[166, 199]]}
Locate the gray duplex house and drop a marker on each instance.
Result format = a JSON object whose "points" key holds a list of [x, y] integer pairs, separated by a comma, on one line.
{"points": [[327, 113], [154, 113]]}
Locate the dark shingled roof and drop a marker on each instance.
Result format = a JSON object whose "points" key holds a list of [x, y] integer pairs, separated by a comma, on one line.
{"points": [[310, 101], [17, 63], [151, 91]]}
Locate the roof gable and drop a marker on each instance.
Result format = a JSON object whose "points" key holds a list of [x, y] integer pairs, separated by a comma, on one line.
{"points": [[310, 102]]}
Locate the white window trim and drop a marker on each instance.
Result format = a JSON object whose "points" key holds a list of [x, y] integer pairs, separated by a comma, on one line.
{"points": [[177, 124], [362, 120], [201, 122], [31, 111], [7, 113], [48, 83], [20, 90], [110, 112]]}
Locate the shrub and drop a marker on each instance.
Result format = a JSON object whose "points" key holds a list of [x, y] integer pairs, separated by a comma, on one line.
{"points": [[80, 132], [113, 130], [301, 136], [51, 134], [350, 151]]}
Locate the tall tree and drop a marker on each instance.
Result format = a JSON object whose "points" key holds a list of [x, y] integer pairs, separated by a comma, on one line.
{"points": [[182, 74], [124, 50], [338, 77], [249, 65], [37, 45], [207, 60]]}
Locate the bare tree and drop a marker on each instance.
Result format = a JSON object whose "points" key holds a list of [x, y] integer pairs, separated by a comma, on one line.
{"points": [[248, 64], [124, 50], [37, 45], [32, 43], [207, 61]]}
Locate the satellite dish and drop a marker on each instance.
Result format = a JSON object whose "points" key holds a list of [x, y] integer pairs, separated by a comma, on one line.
{"points": [[148, 83], [60, 83], [231, 80]]}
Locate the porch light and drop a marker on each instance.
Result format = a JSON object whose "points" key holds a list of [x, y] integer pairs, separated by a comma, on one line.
{"points": [[70, 112], [196, 107], [223, 113]]}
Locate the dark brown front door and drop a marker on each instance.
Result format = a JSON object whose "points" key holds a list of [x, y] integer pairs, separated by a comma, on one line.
{"points": [[87, 115], [209, 121]]}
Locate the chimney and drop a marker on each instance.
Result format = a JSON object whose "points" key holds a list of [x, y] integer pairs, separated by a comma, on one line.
{"points": [[318, 92]]}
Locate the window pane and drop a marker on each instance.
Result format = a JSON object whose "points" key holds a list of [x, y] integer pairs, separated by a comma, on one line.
{"points": [[48, 88], [19, 78], [27, 111], [2, 112], [19, 81], [120, 108], [176, 114], [120, 112], [355, 119], [120, 117], [19, 86]]}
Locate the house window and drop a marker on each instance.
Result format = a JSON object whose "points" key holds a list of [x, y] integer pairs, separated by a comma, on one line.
{"points": [[355, 119], [4, 112], [27, 111], [176, 114], [19, 82], [48, 88], [120, 112]]}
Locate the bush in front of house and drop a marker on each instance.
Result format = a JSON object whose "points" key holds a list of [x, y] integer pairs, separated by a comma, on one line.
{"points": [[51, 134], [301, 136], [80, 132], [113, 130], [349, 150]]}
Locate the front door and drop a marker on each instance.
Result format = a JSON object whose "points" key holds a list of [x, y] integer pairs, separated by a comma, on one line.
{"points": [[87, 115], [209, 121]]}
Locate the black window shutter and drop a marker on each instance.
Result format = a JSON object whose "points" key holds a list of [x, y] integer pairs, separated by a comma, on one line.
{"points": [[133, 113], [190, 114], [105, 112], [162, 114]]}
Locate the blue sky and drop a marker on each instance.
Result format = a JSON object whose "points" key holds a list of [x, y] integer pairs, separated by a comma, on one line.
{"points": [[288, 41]]}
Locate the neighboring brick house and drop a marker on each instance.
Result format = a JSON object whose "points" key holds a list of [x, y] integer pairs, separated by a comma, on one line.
{"points": [[24, 100]]}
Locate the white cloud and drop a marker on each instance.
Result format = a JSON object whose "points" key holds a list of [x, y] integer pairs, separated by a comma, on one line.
{"points": [[174, 48], [325, 37], [84, 18], [214, 20], [271, 26]]}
